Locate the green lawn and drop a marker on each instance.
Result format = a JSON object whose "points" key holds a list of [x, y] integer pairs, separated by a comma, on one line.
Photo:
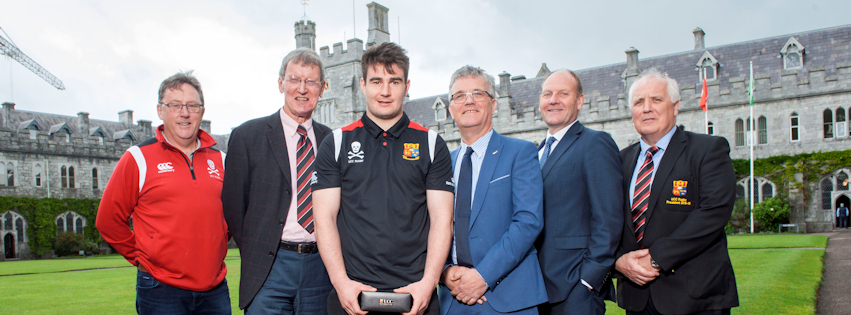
{"points": [[772, 279]]}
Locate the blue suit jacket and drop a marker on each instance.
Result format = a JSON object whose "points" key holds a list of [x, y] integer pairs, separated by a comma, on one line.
{"points": [[505, 219], [583, 211]]}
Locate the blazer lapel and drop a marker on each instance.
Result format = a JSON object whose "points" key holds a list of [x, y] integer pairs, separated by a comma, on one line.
{"points": [[672, 154], [628, 169], [275, 135], [492, 155], [569, 137]]}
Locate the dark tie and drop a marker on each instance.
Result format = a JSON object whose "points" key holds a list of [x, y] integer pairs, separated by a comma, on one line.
{"points": [[305, 173], [463, 199], [547, 147], [641, 196]]}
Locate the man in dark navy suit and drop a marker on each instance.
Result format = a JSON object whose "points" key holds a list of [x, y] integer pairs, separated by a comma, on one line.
{"points": [[583, 200]]}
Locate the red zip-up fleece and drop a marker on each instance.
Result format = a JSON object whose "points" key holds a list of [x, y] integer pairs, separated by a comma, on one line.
{"points": [[179, 232]]}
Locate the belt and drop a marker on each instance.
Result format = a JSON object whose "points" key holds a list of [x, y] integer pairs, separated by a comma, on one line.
{"points": [[301, 248]]}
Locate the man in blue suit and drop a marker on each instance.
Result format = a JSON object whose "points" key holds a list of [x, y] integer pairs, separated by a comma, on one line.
{"points": [[583, 202], [493, 265]]}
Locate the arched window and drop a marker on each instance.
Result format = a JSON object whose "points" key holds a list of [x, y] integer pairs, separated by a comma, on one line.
{"points": [[70, 222], [94, 178], [60, 224], [828, 123], [37, 175], [10, 174], [63, 172], [762, 129], [767, 191], [19, 225], [2, 172], [842, 181], [710, 128], [71, 177], [793, 122], [826, 189], [7, 221], [740, 192], [792, 57], [754, 193], [740, 133], [78, 226], [840, 127]]}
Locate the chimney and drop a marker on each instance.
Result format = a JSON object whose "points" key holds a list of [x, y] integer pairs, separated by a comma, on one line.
{"points": [[631, 72], [6, 115], [698, 38], [145, 126], [205, 125], [83, 124], [126, 117], [305, 34], [378, 30], [504, 84]]}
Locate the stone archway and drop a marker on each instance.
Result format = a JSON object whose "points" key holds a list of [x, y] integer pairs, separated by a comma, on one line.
{"points": [[9, 245], [841, 200]]}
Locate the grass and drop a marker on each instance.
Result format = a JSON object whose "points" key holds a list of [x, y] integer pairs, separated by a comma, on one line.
{"points": [[772, 278]]}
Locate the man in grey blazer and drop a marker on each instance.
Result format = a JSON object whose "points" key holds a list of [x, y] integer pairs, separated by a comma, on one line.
{"points": [[267, 198]]}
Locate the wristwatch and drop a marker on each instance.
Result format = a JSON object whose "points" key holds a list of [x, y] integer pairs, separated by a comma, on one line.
{"points": [[654, 264]]}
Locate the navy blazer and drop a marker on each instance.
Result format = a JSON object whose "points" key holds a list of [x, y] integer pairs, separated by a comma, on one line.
{"points": [[691, 199], [583, 200], [256, 195], [505, 219]]}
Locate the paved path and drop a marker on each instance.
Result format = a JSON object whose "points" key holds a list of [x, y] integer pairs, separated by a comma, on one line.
{"points": [[834, 297]]}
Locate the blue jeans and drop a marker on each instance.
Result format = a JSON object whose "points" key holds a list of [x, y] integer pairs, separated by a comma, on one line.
{"points": [[154, 297], [297, 284]]}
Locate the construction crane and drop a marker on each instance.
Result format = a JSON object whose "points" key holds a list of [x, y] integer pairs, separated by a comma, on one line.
{"points": [[9, 49]]}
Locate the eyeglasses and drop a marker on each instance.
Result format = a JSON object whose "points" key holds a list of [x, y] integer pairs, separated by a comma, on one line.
{"points": [[175, 107], [311, 83], [478, 96]]}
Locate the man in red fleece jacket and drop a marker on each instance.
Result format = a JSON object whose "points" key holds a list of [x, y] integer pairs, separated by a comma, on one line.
{"points": [[170, 186]]}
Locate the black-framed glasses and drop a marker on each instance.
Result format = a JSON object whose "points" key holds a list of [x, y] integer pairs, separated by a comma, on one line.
{"points": [[175, 107], [478, 96], [311, 83]]}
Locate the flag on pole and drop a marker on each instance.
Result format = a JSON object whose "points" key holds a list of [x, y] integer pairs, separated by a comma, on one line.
{"points": [[704, 96], [750, 87]]}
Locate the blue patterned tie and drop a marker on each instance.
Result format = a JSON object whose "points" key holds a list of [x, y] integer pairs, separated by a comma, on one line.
{"points": [[463, 200], [547, 147]]}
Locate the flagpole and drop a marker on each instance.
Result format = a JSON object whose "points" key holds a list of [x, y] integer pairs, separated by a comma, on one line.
{"points": [[752, 128], [706, 110]]}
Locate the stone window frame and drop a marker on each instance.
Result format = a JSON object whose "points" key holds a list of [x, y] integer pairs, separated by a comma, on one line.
{"points": [[74, 218], [325, 111], [38, 177], [7, 174], [95, 181], [20, 235], [761, 183], [827, 122], [794, 127], [707, 61], [831, 180], [710, 127], [762, 130], [792, 47], [840, 123], [68, 174], [439, 106], [740, 132]]}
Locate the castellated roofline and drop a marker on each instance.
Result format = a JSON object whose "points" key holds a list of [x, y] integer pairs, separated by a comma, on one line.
{"points": [[340, 56], [41, 142]]}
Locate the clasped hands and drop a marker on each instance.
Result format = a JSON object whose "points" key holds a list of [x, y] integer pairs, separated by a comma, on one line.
{"points": [[636, 266], [466, 284]]}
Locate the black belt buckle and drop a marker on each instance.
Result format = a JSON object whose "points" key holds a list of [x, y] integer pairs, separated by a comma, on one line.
{"points": [[305, 248]]}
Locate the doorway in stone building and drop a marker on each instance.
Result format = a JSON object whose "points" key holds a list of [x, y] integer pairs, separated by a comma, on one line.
{"points": [[9, 245], [842, 200]]}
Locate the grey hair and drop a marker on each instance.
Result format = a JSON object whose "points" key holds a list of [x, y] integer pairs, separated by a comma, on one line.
{"points": [[306, 57], [653, 73], [178, 79], [469, 71], [576, 77]]}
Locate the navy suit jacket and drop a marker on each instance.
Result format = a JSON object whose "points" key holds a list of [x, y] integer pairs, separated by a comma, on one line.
{"points": [[256, 195], [505, 219], [583, 200]]}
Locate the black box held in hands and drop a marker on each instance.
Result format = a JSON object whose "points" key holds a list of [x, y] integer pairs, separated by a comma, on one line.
{"points": [[385, 302]]}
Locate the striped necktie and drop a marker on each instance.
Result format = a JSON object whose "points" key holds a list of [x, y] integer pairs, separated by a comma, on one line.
{"points": [[304, 163], [641, 196]]}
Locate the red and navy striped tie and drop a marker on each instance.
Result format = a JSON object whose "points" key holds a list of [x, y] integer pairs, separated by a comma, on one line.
{"points": [[305, 173], [641, 196]]}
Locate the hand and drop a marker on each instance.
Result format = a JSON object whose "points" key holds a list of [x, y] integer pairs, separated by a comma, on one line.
{"points": [[347, 293], [421, 292], [645, 262], [471, 287], [629, 266]]}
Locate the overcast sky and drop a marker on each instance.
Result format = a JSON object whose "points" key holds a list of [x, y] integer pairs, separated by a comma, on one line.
{"points": [[112, 55]]}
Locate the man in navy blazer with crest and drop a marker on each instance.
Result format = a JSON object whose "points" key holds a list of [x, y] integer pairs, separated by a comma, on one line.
{"points": [[583, 200], [493, 265]]}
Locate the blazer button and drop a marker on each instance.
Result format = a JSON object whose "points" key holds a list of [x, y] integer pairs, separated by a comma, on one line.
{"points": [[271, 254], [282, 221]]}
